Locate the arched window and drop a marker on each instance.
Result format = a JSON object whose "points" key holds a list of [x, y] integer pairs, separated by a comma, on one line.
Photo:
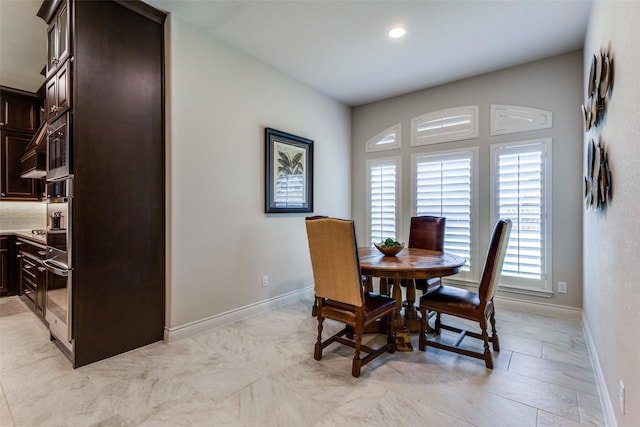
{"points": [[451, 124]]}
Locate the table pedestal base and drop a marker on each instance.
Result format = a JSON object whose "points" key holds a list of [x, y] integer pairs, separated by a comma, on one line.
{"points": [[403, 341], [407, 317]]}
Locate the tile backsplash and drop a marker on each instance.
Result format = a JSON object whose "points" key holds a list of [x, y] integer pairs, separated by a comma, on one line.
{"points": [[22, 215]]}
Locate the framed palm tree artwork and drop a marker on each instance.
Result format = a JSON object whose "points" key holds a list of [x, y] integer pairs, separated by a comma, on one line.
{"points": [[288, 172]]}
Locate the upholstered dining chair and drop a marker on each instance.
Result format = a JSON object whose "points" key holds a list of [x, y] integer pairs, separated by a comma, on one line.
{"points": [[475, 306], [339, 293], [427, 232]]}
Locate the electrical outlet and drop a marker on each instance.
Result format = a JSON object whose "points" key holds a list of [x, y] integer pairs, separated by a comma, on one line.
{"points": [[562, 287], [621, 397], [265, 281]]}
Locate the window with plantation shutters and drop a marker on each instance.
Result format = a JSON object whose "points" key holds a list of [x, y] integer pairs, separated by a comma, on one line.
{"points": [[444, 186], [451, 124], [520, 191], [383, 198], [388, 139]]}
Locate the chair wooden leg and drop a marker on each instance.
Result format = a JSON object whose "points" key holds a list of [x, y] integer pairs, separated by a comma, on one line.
{"points": [[357, 361], [391, 334], [422, 338], [494, 334], [396, 293], [383, 287], [488, 360], [317, 353], [438, 322], [368, 283], [349, 333]]}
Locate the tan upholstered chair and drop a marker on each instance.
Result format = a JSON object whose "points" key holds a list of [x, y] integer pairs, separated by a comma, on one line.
{"points": [[469, 305], [339, 292]]}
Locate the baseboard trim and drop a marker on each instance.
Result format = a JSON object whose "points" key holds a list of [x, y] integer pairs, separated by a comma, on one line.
{"points": [[605, 399], [541, 308], [203, 325]]}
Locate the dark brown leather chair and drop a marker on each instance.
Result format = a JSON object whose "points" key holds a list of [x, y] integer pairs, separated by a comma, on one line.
{"points": [[427, 232], [469, 305], [339, 292]]}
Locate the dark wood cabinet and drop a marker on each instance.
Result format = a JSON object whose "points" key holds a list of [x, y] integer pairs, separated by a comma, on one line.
{"points": [[58, 39], [20, 118], [32, 276], [58, 90], [115, 65], [4, 264], [12, 186], [19, 111]]}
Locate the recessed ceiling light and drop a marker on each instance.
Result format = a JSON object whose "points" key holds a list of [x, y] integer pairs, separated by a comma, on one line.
{"points": [[397, 32]]}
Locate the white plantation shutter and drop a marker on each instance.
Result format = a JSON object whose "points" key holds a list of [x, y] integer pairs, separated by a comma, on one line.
{"points": [[444, 187], [383, 198], [520, 193], [451, 124], [389, 139]]}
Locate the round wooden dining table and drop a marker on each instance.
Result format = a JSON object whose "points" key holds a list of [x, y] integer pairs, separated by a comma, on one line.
{"points": [[409, 263]]}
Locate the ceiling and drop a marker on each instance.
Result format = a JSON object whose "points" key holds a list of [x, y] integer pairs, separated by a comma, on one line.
{"points": [[341, 48], [23, 44]]}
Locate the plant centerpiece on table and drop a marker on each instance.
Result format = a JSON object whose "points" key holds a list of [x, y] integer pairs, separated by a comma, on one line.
{"points": [[389, 247]]}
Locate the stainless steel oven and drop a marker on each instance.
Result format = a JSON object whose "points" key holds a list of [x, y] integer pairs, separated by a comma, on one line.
{"points": [[59, 153], [58, 261]]}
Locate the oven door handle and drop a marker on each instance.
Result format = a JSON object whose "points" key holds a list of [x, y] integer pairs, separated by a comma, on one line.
{"points": [[55, 269]]}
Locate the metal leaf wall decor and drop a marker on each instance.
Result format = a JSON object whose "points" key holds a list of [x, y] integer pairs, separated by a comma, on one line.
{"points": [[597, 181], [599, 90]]}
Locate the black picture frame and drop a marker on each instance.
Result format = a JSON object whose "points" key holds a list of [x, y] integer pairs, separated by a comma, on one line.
{"points": [[288, 172]]}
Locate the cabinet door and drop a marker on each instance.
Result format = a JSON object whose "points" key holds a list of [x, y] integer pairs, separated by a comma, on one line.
{"points": [[18, 112], [52, 47], [4, 264], [58, 40], [63, 33], [12, 186], [59, 92], [63, 81], [51, 98]]}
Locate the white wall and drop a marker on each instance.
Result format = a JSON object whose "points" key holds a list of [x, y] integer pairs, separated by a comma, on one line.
{"points": [[612, 238], [220, 240], [552, 84]]}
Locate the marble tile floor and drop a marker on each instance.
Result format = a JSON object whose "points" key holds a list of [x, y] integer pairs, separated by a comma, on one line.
{"points": [[260, 372]]}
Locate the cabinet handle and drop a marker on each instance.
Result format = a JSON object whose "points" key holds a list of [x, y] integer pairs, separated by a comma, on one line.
{"points": [[27, 267], [42, 253], [2, 194]]}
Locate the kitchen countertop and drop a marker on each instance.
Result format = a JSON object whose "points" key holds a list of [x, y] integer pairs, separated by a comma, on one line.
{"points": [[26, 234]]}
